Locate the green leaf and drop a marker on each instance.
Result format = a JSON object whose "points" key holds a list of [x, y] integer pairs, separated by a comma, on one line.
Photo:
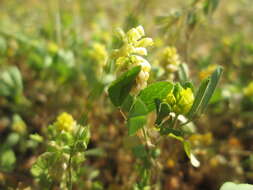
{"points": [[138, 109], [234, 186], [187, 148], [127, 104], [188, 84], [205, 93], [199, 97], [162, 110], [120, 88], [135, 123], [158, 90], [139, 151], [3, 45], [7, 160], [43, 163], [97, 152], [12, 139], [10, 82], [137, 117], [215, 77], [183, 72], [210, 6]]}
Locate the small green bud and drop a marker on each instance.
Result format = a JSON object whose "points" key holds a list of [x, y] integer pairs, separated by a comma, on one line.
{"points": [[180, 99]]}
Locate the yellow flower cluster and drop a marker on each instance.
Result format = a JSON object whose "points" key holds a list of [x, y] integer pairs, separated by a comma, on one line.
{"points": [[131, 52], [65, 122], [170, 59], [248, 91], [180, 100], [99, 53]]}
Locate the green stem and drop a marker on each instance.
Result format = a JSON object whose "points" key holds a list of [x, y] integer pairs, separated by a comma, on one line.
{"points": [[70, 172]]}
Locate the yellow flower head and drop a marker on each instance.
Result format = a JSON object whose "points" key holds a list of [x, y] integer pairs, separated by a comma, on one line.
{"points": [[99, 53], [170, 59], [65, 122], [248, 91]]}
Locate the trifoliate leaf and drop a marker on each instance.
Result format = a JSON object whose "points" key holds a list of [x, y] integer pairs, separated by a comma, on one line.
{"points": [[120, 88]]}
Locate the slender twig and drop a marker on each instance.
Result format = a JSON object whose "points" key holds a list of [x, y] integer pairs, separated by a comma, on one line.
{"points": [[123, 115]]}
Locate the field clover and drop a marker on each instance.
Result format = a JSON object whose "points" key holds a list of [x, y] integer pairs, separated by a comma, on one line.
{"points": [[130, 54]]}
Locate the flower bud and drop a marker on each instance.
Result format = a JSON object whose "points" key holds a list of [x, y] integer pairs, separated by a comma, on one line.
{"points": [[180, 99]]}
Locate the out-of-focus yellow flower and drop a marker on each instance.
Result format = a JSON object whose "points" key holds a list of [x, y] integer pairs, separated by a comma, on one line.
{"points": [[207, 72], [53, 47], [13, 47], [248, 91], [158, 42], [169, 58], [234, 142], [65, 122], [18, 125], [226, 41], [201, 139], [180, 100], [99, 53], [214, 162], [170, 163]]}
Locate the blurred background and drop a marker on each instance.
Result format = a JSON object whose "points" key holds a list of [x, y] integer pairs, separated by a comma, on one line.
{"points": [[52, 54]]}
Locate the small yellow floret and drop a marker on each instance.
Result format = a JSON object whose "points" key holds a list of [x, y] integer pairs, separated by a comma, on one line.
{"points": [[65, 122]]}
